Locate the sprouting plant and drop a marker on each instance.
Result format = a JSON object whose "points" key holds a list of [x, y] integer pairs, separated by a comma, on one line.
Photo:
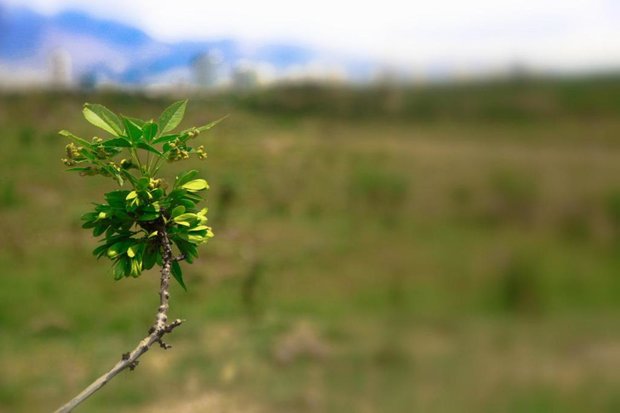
{"points": [[153, 221]]}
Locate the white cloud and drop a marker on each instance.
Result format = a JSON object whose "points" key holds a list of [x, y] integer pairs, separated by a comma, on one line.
{"points": [[565, 33]]}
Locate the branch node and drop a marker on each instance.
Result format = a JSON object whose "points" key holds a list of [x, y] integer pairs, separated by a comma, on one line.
{"points": [[125, 356], [164, 345], [133, 365], [173, 325]]}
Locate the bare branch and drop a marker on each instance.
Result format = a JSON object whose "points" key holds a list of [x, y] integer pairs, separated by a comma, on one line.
{"points": [[155, 335]]}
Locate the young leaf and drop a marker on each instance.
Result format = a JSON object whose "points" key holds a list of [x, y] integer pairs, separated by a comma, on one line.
{"points": [[178, 274], [103, 118], [74, 138], [196, 185], [211, 124], [198, 228], [172, 116], [184, 217]]}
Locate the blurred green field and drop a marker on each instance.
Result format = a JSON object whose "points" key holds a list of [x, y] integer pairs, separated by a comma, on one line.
{"points": [[365, 260]]}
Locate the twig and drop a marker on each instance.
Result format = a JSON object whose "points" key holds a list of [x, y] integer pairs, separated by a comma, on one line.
{"points": [[155, 335]]}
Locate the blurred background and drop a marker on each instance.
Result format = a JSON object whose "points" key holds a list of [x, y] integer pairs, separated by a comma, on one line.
{"points": [[416, 205]]}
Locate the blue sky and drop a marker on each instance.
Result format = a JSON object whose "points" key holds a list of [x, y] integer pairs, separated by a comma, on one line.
{"points": [[557, 35]]}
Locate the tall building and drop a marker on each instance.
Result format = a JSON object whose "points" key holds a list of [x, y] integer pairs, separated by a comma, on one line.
{"points": [[207, 69], [61, 69]]}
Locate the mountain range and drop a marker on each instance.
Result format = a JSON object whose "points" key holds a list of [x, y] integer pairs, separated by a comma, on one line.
{"points": [[105, 50]]}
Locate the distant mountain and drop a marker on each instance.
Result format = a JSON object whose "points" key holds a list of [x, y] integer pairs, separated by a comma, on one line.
{"points": [[110, 51], [21, 32]]}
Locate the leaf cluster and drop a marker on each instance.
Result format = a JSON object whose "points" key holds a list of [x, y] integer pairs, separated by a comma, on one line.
{"points": [[133, 221]]}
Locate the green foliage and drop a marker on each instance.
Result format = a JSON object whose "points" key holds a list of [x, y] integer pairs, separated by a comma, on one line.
{"points": [[133, 221]]}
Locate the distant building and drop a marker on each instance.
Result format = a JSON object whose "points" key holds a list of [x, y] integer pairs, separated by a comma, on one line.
{"points": [[61, 69], [207, 69]]}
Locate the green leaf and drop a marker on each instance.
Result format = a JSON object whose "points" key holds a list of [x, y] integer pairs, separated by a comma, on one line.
{"points": [[187, 203], [196, 185], [103, 118], [157, 193], [186, 248], [121, 142], [172, 116], [209, 125], [100, 229], [134, 131], [129, 177], [178, 274], [74, 138], [136, 267], [89, 224], [148, 259], [120, 268], [148, 217], [165, 139], [113, 173], [100, 250], [89, 216], [117, 198], [119, 248], [178, 210], [143, 183], [149, 130], [137, 121], [88, 154], [147, 147], [186, 177]]}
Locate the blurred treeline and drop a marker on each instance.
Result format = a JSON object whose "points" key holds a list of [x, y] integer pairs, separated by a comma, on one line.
{"points": [[512, 99]]}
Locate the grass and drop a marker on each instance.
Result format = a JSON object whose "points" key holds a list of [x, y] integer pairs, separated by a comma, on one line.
{"points": [[441, 265]]}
